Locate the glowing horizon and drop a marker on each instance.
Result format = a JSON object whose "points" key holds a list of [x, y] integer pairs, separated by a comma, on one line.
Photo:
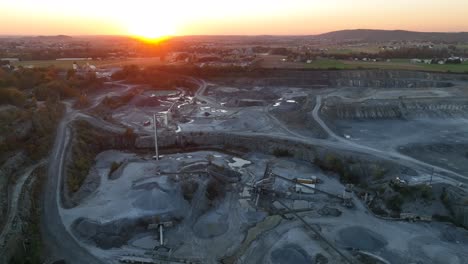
{"points": [[154, 19]]}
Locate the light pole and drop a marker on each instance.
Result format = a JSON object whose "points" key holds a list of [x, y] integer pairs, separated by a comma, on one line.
{"points": [[155, 137]]}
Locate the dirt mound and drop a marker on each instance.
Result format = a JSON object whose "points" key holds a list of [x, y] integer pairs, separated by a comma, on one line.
{"points": [[290, 253], [361, 238], [110, 235], [154, 200], [458, 236], [159, 197], [211, 224]]}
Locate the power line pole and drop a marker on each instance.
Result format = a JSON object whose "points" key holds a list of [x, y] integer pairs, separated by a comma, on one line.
{"points": [[432, 174], [155, 137]]}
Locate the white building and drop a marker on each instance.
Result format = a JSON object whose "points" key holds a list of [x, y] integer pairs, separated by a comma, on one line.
{"points": [[9, 59]]}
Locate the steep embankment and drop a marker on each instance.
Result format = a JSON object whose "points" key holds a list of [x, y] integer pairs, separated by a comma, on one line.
{"points": [[352, 78], [397, 109]]}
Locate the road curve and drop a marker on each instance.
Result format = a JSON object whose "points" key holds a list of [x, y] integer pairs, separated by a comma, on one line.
{"points": [[61, 244], [316, 116], [389, 154], [59, 241]]}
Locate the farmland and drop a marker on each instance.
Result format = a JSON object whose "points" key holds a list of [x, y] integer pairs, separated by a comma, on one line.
{"points": [[67, 64], [275, 61]]}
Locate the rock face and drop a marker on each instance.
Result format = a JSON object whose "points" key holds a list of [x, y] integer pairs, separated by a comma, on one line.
{"points": [[388, 83], [232, 141], [362, 111], [351, 78], [397, 109], [458, 209], [389, 79]]}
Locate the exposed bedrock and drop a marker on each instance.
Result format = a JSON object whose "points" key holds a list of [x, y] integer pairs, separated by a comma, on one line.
{"points": [[396, 74], [388, 83], [299, 149], [389, 79], [350, 78], [397, 109]]}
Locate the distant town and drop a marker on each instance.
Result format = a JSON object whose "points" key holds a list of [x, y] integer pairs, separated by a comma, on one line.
{"points": [[327, 51]]}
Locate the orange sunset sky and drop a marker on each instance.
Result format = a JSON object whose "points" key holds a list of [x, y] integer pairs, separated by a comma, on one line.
{"points": [[239, 17]]}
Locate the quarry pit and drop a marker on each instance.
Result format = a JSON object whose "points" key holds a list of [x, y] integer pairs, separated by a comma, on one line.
{"points": [[296, 167]]}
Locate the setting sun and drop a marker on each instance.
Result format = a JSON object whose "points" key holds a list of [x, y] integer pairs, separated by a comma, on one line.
{"points": [[150, 29], [150, 24]]}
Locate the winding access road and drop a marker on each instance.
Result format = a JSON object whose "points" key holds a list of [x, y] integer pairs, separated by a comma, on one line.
{"points": [[442, 175], [59, 241], [55, 235]]}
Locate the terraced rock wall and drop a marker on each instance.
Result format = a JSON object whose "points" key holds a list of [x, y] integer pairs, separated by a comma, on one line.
{"points": [[350, 78], [397, 109]]}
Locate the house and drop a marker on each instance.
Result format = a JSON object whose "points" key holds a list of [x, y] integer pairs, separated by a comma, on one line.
{"points": [[438, 61], [73, 59], [9, 59], [7, 66], [454, 60]]}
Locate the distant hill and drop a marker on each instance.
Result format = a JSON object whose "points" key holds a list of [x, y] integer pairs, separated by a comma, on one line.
{"points": [[57, 37], [32, 37], [374, 35]]}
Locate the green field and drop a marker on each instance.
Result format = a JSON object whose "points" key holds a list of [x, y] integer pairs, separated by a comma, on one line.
{"points": [[99, 63], [405, 64], [353, 49], [463, 68], [462, 46], [328, 64], [395, 64]]}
